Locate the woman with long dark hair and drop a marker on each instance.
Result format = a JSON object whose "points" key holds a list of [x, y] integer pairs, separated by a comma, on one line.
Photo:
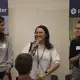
{"points": [[45, 57], [6, 54]]}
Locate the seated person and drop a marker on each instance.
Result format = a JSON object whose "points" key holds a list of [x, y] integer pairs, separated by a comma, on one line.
{"points": [[23, 64]]}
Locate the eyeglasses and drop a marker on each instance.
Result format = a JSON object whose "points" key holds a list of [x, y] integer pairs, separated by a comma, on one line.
{"points": [[77, 28]]}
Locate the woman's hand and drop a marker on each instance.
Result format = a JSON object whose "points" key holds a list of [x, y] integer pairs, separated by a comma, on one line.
{"points": [[40, 76]]}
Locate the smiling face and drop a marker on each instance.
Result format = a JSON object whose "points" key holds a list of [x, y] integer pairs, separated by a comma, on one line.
{"points": [[40, 35], [77, 29]]}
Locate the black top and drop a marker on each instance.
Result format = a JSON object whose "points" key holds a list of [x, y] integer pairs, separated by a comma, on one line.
{"points": [[75, 50]]}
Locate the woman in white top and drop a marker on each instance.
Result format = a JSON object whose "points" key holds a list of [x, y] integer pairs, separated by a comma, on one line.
{"points": [[45, 57]]}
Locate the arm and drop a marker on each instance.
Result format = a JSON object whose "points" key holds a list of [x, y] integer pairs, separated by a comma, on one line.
{"points": [[9, 62], [9, 57], [26, 48], [72, 57], [53, 68], [55, 60]]}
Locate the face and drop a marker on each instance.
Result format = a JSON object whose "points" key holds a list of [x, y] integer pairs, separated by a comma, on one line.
{"points": [[2, 27], [77, 29], [40, 34]]}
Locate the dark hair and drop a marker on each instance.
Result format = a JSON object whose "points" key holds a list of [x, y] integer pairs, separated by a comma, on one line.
{"points": [[1, 19], [23, 63], [48, 45], [2, 35]]}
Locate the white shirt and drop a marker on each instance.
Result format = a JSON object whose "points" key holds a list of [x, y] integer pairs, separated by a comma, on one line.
{"points": [[49, 57]]}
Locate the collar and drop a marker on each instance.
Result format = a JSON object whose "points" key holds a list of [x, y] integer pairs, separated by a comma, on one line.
{"points": [[27, 77]]}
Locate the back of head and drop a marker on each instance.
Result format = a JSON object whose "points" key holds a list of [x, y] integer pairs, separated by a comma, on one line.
{"points": [[23, 63]]}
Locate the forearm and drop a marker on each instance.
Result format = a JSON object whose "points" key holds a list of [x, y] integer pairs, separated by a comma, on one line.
{"points": [[8, 68], [9, 63], [9, 59], [53, 68], [73, 59]]}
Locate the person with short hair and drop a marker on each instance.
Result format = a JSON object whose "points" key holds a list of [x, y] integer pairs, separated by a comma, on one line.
{"points": [[23, 65], [74, 56]]}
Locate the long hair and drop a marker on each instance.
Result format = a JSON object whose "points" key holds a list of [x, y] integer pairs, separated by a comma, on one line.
{"points": [[1, 19], [2, 35], [48, 45]]}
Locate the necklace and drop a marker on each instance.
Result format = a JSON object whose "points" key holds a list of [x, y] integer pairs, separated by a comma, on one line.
{"points": [[39, 59]]}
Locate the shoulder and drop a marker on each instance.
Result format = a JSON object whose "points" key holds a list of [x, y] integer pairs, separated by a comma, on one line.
{"points": [[28, 45], [52, 49], [54, 52], [73, 42], [26, 48]]}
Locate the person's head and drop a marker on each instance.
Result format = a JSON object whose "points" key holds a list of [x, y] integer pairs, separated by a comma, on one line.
{"points": [[23, 63], [78, 28], [42, 34], [2, 23]]}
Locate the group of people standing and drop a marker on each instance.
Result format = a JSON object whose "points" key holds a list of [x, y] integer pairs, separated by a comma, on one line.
{"points": [[39, 58], [42, 55]]}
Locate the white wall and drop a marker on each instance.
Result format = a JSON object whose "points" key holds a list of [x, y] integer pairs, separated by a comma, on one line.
{"points": [[26, 15]]}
